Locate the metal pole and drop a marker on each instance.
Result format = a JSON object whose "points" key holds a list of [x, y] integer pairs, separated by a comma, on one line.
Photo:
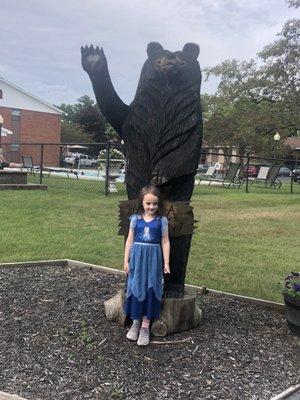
{"points": [[107, 170], [41, 164], [0, 134], [247, 173], [292, 175], [292, 181]]}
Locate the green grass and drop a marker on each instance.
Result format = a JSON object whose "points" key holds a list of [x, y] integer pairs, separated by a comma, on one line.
{"points": [[244, 243]]}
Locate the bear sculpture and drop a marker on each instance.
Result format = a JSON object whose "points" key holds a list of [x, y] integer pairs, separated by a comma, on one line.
{"points": [[161, 130]]}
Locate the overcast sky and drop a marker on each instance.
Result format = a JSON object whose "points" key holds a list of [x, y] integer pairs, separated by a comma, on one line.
{"points": [[40, 40]]}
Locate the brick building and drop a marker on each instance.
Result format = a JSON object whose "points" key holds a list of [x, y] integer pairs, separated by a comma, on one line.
{"points": [[32, 120]]}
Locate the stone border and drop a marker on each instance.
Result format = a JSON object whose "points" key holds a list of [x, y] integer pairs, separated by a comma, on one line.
{"points": [[288, 394], [9, 396], [22, 186], [41, 263]]}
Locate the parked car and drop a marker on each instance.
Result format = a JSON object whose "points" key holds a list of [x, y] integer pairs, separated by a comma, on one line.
{"points": [[296, 175], [284, 171], [202, 168], [252, 170], [87, 161], [82, 160]]}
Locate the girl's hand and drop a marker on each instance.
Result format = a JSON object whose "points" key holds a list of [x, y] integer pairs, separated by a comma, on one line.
{"points": [[126, 267], [166, 269]]}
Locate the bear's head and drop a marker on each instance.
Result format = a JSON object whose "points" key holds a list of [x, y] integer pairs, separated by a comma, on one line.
{"points": [[174, 66]]}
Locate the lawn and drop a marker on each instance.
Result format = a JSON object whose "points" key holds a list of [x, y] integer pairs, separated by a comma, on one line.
{"points": [[245, 243]]}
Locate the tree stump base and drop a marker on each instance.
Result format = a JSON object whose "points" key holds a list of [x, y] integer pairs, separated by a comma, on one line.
{"points": [[177, 314]]}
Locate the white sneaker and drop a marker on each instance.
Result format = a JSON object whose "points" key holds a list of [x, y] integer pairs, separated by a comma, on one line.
{"points": [[133, 332], [144, 337]]}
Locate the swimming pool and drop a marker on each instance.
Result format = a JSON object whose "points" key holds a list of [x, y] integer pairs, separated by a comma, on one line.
{"points": [[88, 174]]}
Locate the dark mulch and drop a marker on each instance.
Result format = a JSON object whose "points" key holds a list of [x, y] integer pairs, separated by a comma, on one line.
{"points": [[55, 343]]}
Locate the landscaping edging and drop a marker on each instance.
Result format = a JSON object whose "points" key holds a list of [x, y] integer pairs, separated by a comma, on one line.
{"points": [[191, 348], [292, 393], [74, 263], [9, 396]]}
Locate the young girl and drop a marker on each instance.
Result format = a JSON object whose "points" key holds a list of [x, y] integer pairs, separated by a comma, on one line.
{"points": [[147, 252]]}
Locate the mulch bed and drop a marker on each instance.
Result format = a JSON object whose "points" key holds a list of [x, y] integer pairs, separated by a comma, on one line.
{"points": [[55, 343]]}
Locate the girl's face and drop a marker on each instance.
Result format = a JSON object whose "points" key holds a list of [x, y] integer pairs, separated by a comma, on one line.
{"points": [[150, 204]]}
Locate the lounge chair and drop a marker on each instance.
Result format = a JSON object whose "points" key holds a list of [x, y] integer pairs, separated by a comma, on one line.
{"points": [[272, 178], [240, 177], [269, 177], [28, 164], [230, 177], [35, 169], [261, 176], [210, 173]]}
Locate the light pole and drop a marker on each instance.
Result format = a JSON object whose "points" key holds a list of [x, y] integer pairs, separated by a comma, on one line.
{"points": [[276, 139], [1, 122]]}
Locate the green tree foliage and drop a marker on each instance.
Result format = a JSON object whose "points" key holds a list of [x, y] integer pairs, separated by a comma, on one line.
{"points": [[68, 112], [110, 133], [258, 98], [281, 71], [71, 133], [293, 3], [83, 122], [90, 119]]}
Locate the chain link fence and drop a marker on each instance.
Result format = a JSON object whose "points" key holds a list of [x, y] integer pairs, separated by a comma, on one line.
{"points": [[100, 167], [96, 167]]}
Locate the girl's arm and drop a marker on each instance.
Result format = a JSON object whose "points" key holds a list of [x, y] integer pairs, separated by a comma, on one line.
{"points": [[165, 245], [128, 245]]}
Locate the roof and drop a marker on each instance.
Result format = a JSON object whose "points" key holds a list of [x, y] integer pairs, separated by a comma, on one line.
{"points": [[293, 142], [5, 81]]}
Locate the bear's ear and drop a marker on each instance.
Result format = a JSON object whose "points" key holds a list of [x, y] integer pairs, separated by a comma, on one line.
{"points": [[192, 49], [153, 47]]}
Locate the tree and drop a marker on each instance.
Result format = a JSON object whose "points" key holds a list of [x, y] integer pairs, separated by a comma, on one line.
{"points": [[255, 101], [293, 3], [85, 117], [68, 112], [281, 71], [110, 132], [71, 133], [90, 119]]}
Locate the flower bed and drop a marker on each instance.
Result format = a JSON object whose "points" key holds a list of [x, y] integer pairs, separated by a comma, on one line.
{"points": [[55, 342]]}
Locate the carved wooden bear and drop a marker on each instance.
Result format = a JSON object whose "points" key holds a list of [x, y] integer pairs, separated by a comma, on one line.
{"points": [[161, 129]]}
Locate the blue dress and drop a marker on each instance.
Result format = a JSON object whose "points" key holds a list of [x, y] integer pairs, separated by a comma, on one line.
{"points": [[145, 277]]}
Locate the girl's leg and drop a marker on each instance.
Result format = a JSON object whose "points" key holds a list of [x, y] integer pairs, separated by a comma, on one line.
{"points": [[146, 323], [144, 336], [133, 332]]}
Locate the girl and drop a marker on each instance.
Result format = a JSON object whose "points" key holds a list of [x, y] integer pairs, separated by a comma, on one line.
{"points": [[147, 252]]}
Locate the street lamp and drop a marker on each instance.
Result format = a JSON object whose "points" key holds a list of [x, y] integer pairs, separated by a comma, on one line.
{"points": [[276, 138]]}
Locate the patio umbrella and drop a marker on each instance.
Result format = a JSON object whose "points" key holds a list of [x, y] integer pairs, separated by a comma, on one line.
{"points": [[5, 132], [77, 146]]}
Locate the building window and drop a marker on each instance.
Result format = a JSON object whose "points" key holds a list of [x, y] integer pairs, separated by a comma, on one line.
{"points": [[15, 114], [14, 147], [1, 94]]}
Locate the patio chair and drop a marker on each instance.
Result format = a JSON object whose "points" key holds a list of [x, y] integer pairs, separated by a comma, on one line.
{"points": [[261, 176], [230, 178], [272, 178], [269, 177], [210, 173], [240, 177], [28, 164]]}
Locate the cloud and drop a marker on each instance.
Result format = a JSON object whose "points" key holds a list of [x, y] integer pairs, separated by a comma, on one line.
{"points": [[44, 56]]}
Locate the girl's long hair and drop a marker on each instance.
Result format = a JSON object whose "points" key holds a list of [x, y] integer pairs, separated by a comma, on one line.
{"points": [[149, 190]]}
